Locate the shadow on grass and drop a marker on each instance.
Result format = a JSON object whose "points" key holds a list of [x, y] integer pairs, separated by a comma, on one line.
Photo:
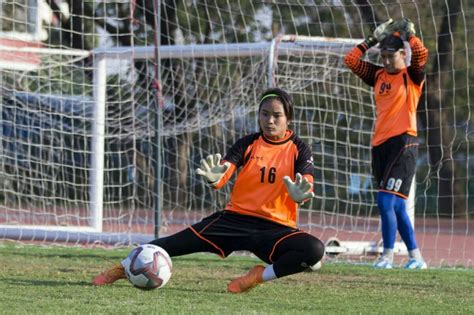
{"points": [[68, 256], [50, 283], [199, 291], [123, 284]]}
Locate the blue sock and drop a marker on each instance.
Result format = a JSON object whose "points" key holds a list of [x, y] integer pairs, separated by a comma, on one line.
{"points": [[404, 224], [386, 203]]}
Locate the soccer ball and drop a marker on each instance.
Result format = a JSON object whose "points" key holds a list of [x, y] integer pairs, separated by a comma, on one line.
{"points": [[148, 267]]}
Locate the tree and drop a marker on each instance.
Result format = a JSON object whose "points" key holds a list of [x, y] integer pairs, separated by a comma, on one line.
{"points": [[439, 119], [77, 28]]}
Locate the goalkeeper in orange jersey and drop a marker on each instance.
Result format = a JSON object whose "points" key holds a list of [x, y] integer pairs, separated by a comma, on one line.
{"points": [[397, 90], [276, 175]]}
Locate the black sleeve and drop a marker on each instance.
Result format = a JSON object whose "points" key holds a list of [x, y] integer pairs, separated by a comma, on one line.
{"points": [[304, 163], [363, 69], [236, 153], [416, 76]]}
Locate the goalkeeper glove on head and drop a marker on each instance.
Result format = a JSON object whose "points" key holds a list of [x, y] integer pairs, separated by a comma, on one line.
{"points": [[300, 189], [211, 169], [406, 29], [384, 29]]}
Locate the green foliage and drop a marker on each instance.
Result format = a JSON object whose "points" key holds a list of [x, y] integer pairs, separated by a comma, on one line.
{"points": [[220, 22], [65, 79], [56, 280]]}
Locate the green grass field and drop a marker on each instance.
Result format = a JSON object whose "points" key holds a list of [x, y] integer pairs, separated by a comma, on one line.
{"points": [[45, 280]]}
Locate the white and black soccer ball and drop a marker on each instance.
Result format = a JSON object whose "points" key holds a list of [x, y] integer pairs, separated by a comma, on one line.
{"points": [[148, 267]]}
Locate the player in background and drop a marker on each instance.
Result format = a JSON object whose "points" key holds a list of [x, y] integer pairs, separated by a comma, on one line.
{"points": [[276, 175], [397, 90]]}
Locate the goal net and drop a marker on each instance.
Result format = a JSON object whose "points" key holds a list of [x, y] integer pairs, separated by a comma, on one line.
{"points": [[102, 132]]}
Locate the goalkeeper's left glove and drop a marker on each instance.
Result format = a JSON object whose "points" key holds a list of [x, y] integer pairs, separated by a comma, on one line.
{"points": [[300, 189], [406, 28]]}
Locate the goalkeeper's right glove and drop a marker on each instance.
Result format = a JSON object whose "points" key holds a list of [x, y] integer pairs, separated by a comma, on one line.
{"points": [[385, 29], [381, 31], [406, 29], [211, 169]]}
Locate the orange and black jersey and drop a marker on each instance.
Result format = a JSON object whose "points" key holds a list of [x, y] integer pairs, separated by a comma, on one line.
{"points": [[396, 95], [259, 189]]}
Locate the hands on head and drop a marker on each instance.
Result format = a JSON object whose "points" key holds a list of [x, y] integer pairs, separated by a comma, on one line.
{"points": [[404, 27]]}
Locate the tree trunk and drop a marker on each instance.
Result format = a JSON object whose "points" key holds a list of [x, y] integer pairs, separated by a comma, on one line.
{"points": [[438, 119], [368, 14]]}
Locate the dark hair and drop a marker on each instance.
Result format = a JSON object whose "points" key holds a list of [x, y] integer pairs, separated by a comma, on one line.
{"points": [[282, 96], [391, 43]]}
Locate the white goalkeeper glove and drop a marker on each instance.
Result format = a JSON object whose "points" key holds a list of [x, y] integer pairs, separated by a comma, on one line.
{"points": [[299, 190], [211, 169], [385, 29]]}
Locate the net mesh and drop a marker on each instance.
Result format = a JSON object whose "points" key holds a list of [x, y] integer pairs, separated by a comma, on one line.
{"points": [[47, 62]]}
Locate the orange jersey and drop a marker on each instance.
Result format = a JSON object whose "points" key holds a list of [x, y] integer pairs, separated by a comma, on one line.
{"points": [[396, 95], [259, 189], [396, 99]]}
